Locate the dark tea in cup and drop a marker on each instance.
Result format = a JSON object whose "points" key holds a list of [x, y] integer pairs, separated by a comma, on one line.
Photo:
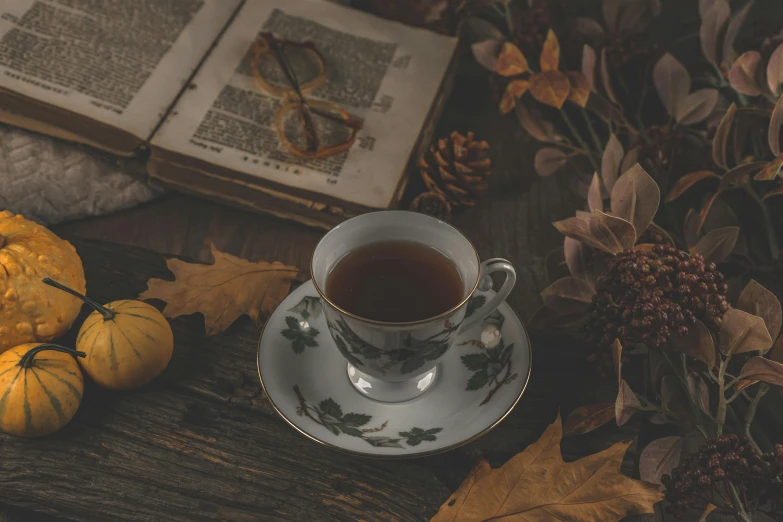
{"points": [[395, 282]]}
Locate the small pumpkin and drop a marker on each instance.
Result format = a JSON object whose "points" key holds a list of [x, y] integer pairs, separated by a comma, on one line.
{"points": [[41, 388], [126, 343], [29, 310]]}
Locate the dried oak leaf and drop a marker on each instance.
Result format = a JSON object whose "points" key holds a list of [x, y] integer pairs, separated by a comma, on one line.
{"points": [[538, 485], [222, 291]]}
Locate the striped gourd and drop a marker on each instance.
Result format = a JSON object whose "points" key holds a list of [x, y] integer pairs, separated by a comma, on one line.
{"points": [[126, 343], [41, 388]]}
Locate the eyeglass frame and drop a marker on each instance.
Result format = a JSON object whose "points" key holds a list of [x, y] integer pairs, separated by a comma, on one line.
{"points": [[294, 97]]}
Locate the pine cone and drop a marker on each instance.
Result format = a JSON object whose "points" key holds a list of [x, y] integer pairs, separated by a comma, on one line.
{"points": [[433, 204], [457, 168]]}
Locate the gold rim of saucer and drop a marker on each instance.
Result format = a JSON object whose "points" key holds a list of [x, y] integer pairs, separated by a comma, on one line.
{"points": [[409, 323], [401, 456]]}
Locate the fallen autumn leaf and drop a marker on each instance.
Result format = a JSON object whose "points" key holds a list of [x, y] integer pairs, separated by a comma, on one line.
{"points": [[537, 484], [222, 291]]}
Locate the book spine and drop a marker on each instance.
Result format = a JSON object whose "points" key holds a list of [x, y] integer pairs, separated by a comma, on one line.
{"points": [[431, 123]]}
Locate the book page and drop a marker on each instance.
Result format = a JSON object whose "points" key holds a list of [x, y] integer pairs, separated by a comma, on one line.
{"points": [[120, 62], [381, 72]]}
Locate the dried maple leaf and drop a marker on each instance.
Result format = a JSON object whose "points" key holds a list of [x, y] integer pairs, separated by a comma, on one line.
{"points": [[222, 291], [538, 485]]}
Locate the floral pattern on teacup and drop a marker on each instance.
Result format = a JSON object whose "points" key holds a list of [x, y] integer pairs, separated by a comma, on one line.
{"points": [[491, 364], [411, 355]]}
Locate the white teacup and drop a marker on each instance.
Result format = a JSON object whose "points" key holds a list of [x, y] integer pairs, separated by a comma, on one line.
{"points": [[394, 362]]}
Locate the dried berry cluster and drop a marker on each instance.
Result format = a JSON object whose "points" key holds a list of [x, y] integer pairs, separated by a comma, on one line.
{"points": [[700, 479], [624, 48], [665, 147], [531, 26], [644, 296], [655, 236], [775, 459]]}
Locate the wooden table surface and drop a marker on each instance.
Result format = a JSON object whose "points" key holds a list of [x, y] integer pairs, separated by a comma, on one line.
{"points": [[201, 443]]}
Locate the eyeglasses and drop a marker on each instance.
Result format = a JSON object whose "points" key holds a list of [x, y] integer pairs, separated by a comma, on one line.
{"points": [[291, 70]]}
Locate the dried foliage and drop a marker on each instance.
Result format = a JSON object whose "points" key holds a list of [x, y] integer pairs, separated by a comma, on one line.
{"points": [[611, 97], [222, 291], [538, 485], [731, 359], [678, 158]]}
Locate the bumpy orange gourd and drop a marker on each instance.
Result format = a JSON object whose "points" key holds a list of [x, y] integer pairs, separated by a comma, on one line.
{"points": [[126, 343], [41, 388], [29, 310]]}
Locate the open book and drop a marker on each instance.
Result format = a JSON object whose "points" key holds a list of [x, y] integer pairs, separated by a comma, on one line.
{"points": [[171, 78]]}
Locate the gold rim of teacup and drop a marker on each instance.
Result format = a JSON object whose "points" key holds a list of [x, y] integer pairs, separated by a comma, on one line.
{"points": [[399, 456], [408, 323]]}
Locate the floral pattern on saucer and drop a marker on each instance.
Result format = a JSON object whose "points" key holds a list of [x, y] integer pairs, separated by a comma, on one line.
{"points": [[330, 415], [304, 375]]}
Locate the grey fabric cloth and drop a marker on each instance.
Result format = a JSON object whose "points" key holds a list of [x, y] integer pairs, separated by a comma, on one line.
{"points": [[50, 180]]}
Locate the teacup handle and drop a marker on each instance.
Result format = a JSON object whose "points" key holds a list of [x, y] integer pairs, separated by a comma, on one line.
{"points": [[496, 264]]}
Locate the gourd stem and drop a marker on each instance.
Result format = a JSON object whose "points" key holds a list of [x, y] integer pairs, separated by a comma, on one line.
{"points": [[107, 314], [27, 359]]}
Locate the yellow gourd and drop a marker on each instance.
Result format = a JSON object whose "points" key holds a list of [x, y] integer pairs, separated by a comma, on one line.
{"points": [[126, 343], [29, 310], [41, 388]]}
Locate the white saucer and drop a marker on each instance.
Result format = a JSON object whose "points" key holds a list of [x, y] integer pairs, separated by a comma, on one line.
{"points": [[477, 384]]}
